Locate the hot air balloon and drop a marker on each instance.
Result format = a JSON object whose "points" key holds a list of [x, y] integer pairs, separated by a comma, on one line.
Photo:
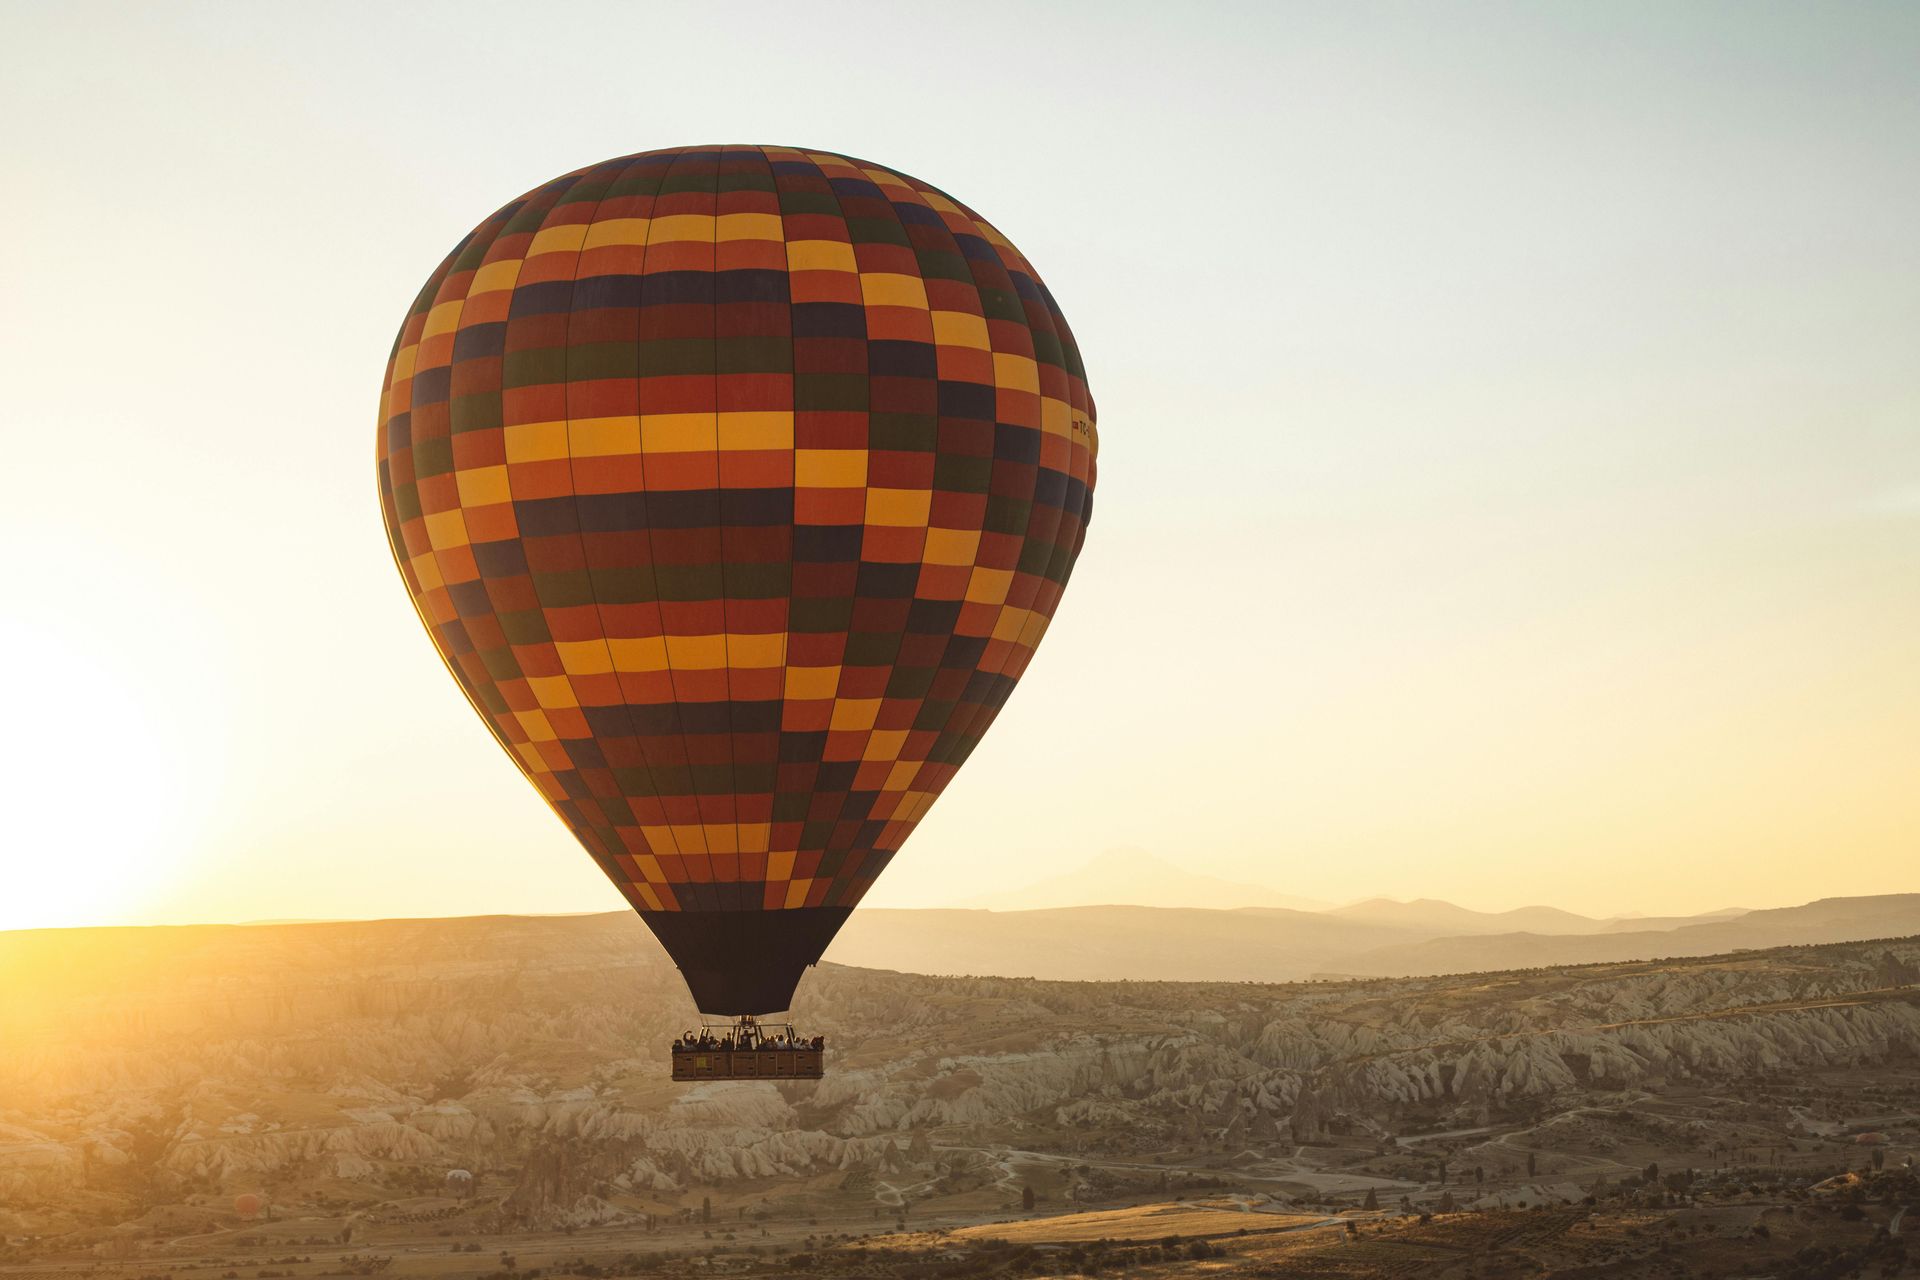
{"points": [[736, 486], [459, 1183], [247, 1204]]}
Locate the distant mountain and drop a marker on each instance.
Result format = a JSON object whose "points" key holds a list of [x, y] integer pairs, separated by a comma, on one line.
{"points": [[1261, 944], [1432, 915], [1827, 914], [1643, 924], [1267, 944], [1132, 877], [1825, 921]]}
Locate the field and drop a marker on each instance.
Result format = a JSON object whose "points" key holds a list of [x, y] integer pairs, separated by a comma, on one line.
{"points": [[1140, 1222]]}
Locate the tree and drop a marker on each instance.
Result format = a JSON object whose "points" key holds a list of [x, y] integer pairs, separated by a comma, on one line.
{"points": [[151, 1139], [1533, 1164], [1026, 1198], [1446, 1202], [1372, 1201], [1653, 1173], [706, 1208]]}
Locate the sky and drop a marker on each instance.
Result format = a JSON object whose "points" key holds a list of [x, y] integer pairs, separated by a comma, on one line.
{"points": [[1510, 420]]}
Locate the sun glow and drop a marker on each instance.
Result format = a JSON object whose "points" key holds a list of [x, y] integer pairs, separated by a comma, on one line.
{"points": [[99, 799]]}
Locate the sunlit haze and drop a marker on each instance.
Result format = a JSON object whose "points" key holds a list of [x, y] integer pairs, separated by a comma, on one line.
{"points": [[1510, 438]]}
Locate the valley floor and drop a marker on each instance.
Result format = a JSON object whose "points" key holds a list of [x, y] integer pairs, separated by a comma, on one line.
{"points": [[1737, 1116]]}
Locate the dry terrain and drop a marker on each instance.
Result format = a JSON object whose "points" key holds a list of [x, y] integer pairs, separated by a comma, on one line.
{"points": [[1673, 1117]]}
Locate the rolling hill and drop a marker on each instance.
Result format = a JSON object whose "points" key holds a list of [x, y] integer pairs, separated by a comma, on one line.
{"points": [[1272, 944], [1824, 921]]}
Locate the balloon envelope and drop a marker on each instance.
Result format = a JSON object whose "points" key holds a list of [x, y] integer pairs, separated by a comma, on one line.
{"points": [[247, 1204], [736, 486]]}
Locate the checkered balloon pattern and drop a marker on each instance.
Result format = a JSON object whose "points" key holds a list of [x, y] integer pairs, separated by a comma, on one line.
{"points": [[736, 486]]}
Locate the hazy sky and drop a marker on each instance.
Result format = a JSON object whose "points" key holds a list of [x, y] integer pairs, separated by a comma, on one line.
{"points": [[1510, 483]]}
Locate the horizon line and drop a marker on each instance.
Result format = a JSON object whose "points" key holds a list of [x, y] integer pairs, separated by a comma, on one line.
{"points": [[280, 922]]}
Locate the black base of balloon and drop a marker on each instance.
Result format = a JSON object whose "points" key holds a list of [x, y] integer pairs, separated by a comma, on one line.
{"points": [[745, 962]]}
